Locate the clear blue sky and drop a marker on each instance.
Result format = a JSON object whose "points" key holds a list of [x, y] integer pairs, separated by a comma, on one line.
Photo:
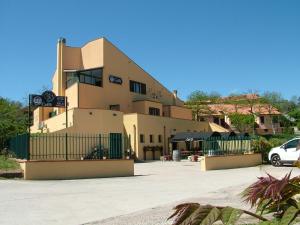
{"points": [[224, 46]]}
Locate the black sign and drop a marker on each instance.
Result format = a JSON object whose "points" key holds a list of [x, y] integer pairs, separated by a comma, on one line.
{"points": [[47, 99], [115, 79]]}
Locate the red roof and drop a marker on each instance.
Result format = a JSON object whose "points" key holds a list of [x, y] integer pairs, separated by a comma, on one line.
{"points": [[263, 109]]}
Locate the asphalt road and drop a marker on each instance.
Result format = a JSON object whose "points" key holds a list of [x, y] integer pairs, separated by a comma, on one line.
{"points": [[82, 201]]}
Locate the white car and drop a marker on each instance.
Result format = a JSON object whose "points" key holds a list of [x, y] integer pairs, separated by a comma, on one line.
{"points": [[287, 153]]}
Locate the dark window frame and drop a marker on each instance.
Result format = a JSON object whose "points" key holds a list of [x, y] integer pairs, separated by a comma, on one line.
{"points": [[154, 111], [137, 87], [262, 119], [159, 138], [116, 105], [151, 138], [142, 138], [85, 77]]}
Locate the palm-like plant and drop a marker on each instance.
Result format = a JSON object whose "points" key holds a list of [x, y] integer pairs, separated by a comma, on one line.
{"points": [[268, 195]]}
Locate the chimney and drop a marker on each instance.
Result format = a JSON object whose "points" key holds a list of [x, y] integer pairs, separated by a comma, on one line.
{"points": [[174, 97], [175, 94], [62, 40]]}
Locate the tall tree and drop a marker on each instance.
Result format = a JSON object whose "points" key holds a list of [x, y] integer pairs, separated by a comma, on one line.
{"points": [[13, 119], [198, 101]]}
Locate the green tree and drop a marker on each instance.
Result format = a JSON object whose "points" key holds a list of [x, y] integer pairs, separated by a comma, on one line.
{"points": [[198, 101], [241, 122], [13, 119]]}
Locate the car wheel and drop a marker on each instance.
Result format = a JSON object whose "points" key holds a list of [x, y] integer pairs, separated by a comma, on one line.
{"points": [[275, 160]]}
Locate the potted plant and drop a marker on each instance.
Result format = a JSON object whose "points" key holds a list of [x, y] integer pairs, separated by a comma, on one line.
{"points": [[105, 154]]}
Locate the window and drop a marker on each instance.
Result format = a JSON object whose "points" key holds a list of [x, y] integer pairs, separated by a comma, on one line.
{"points": [[159, 138], [154, 111], [137, 87], [114, 107], [142, 140], [92, 77], [151, 138], [216, 120], [52, 114], [292, 144], [262, 119]]}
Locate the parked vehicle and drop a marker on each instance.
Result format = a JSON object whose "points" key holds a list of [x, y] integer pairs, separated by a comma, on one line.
{"points": [[287, 153]]}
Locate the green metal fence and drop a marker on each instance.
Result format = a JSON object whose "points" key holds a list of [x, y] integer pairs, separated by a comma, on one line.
{"points": [[18, 145], [63, 146], [227, 146]]}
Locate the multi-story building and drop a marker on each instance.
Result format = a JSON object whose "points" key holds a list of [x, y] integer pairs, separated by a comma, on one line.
{"points": [[108, 92]]}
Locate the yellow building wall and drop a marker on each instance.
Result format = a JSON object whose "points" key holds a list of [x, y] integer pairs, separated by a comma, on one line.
{"points": [[117, 63], [102, 53], [40, 114], [98, 121], [72, 58], [90, 121], [157, 125], [143, 106], [92, 54], [72, 94], [178, 112], [92, 97]]}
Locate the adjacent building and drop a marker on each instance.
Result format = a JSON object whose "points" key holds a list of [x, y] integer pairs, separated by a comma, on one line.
{"points": [[107, 93], [266, 117]]}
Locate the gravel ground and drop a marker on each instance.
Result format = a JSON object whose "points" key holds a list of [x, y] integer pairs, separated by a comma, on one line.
{"points": [[158, 215], [146, 198]]}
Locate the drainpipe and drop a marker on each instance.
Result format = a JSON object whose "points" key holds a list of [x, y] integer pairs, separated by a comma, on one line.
{"points": [[60, 86]]}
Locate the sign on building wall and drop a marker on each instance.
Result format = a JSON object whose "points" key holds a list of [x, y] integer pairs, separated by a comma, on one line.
{"points": [[115, 79], [47, 99]]}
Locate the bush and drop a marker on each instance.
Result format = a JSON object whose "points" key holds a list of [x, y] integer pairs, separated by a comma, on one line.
{"points": [[263, 145], [298, 125]]}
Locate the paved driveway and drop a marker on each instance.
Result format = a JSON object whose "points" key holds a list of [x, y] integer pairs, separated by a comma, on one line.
{"points": [[80, 201]]}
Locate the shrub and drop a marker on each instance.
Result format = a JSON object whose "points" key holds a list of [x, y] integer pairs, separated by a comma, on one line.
{"points": [[263, 146], [298, 125], [268, 195]]}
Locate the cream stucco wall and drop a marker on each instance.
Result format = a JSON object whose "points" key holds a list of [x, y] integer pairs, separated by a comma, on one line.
{"points": [[91, 121], [72, 94], [76, 169], [40, 114], [230, 161]]}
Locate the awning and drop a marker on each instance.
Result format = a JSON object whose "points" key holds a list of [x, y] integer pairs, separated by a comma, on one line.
{"points": [[202, 136]]}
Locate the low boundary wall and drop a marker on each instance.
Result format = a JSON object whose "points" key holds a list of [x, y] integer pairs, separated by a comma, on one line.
{"points": [[230, 161], [76, 169]]}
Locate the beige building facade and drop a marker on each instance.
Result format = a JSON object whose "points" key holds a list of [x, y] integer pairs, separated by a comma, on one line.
{"points": [[108, 92]]}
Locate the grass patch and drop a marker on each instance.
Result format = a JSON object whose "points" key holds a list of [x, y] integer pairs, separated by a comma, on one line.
{"points": [[8, 164]]}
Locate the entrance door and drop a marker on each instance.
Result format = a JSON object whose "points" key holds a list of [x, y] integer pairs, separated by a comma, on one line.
{"points": [[115, 146]]}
